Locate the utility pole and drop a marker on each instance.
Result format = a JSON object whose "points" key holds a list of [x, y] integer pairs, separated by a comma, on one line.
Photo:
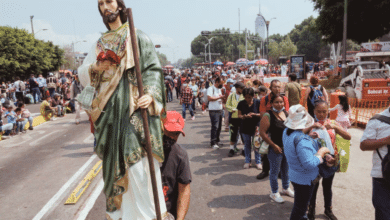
{"points": [[246, 44], [267, 24], [32, 25], [344, 66], [239, 32]]}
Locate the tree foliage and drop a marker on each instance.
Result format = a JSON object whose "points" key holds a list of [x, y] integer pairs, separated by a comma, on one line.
{"points": [[231, 46], [190, 62], [285, 48], [21, 54], [366, 20], [163, 59]]}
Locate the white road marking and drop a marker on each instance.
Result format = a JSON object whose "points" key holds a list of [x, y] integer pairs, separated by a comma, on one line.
{"points": [[35, 142], [91, 201], [55, 198], [89, 139]]}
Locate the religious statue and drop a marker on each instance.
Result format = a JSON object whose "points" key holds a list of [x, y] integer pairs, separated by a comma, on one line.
{"points": [[116, 115]]}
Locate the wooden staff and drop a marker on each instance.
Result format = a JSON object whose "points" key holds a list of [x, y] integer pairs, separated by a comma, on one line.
{"points": [[143, 112]]}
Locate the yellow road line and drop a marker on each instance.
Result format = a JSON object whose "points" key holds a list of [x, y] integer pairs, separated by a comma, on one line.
{"points": [[83, 185]]}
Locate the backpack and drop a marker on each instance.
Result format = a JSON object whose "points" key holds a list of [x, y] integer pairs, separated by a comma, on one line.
{"points": [[317, 94], [386, 158]]}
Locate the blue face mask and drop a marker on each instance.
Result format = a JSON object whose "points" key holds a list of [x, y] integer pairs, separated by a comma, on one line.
{"points": [[277, 111], [231, 86]]}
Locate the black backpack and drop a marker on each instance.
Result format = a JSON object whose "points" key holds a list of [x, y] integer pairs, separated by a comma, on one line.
{"points": [[386, 158]]}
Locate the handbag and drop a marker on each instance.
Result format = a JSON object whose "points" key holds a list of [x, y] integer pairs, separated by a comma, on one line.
{"points": [[260, 145]]}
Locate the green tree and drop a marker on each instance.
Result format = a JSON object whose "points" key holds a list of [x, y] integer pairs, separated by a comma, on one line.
{"points": [[367, 20], [163, 59], [190, 62], [285, 48], [21, 54]]}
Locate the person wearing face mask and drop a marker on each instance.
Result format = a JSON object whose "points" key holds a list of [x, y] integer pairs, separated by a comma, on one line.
{"points": [[271, 131], [265, 106], [214, 96], [321, 116], [175, 170]]}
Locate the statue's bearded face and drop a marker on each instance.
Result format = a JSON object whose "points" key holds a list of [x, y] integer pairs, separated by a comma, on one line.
{"points": [[110, 10]]}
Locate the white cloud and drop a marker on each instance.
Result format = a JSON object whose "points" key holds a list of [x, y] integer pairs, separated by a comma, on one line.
{"points": [[61, 39]]}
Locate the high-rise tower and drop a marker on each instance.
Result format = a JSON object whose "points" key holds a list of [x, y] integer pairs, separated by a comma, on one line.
{"points": [[260, 25]]}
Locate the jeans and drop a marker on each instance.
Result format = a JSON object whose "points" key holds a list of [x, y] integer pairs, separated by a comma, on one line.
{"points": [[177, 92], [193, 103], [278, 162], [30, 120], [52, 91], [170, 98], [248, 149], [7, 127], [35, 94], [20, 126], [327, 190], [216, 123], [381, 199], [185, 106], [302, 195]]}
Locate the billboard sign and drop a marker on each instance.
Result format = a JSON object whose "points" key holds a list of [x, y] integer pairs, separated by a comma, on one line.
{"points": [[375, 47], [298, 66]]}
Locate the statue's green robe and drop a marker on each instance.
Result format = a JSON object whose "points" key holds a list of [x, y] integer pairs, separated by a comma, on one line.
{"points": [[118, 123]]}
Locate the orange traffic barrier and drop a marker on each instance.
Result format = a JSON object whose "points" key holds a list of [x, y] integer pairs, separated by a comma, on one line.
{"points": [[334, 100], [363, 110]]}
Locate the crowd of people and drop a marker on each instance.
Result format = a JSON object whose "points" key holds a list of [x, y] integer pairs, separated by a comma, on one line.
{"points": [[301, 142], [56, 96]]}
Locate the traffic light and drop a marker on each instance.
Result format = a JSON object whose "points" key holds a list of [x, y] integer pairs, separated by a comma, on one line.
{"points": [[157, 46]]}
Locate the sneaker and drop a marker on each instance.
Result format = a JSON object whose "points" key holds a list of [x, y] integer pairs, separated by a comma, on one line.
{"points": [[31, 128], [193, 118], [247, 165], [288, 192], [231, 153], [184, 119], [276, 197], [77, 121], [215, 146], [329, 213], [259, 166], [236, 150]]}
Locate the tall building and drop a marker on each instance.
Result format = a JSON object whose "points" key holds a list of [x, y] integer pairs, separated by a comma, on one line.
{"points": [[260, 25]]}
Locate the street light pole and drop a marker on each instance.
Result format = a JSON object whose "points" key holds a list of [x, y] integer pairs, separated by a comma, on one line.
{"points": [[210, 49], [344, 66], [32, 25], [246, 44], [205, 51], [267, 23], [74, 55]]}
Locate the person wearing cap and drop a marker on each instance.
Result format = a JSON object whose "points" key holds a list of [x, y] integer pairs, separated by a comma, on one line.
{"points": [[226, 92], [303, 155], [51, 84], [175, 170], [234, 122]]}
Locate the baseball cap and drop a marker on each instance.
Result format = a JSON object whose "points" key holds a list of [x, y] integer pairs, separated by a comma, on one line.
{"points": [[174, 122], [50, 74], [230, 80]]}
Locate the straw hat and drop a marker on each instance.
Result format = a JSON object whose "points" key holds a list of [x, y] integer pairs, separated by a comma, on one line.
{"points": [[298, 118]]}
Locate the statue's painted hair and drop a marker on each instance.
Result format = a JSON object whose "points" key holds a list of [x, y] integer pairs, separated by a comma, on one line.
{"points": [[122, 13]]}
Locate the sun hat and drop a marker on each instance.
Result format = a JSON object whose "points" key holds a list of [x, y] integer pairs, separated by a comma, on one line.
{"points": [[298, 118], [174, 122], [230, 80]]}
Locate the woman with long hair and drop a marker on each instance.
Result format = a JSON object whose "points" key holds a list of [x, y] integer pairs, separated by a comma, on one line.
{"points": [[343, 112]]}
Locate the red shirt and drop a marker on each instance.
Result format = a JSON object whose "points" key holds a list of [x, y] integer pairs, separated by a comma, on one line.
{"points": [[266, 107]]}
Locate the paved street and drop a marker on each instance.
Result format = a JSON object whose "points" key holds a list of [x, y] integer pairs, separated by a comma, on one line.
{"points": [[40, 169]]}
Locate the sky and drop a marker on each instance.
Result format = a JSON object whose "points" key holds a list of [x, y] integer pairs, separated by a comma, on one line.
{"points": [[173, 24]]}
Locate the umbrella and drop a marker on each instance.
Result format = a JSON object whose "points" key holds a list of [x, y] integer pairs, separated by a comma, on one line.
{"points": [[252, 62], [168, 67], [261, 62], [218, 63], [230, 64]]}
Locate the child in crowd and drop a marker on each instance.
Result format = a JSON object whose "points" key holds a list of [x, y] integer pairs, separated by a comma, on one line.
{"points": [[26, 115], [263, 91], [343, 112], [11, 119], [20, 121]]}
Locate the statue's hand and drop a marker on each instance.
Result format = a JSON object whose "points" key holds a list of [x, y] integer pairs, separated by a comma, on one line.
{"points": [[145, 101]]}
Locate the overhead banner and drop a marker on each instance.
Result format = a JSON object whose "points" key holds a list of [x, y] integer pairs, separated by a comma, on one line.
{"points": [[375, 47]]}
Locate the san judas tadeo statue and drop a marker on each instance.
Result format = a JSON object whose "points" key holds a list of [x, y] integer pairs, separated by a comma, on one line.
{"points": [[116, 115]]}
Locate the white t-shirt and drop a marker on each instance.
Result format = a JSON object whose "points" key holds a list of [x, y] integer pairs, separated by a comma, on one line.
{"points": [[341, 114], [376, 129], [213, 92], [17, 86]]}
